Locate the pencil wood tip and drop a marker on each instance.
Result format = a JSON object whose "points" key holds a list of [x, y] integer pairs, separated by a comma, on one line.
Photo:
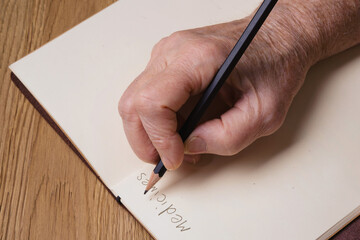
{"points": [[154, 178]]}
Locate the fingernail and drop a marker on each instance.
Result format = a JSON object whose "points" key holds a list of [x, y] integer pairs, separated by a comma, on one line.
{"points": [[195, 145]]}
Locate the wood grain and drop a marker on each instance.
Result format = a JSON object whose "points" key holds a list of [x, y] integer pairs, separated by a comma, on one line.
{"points": [[46, 191]]}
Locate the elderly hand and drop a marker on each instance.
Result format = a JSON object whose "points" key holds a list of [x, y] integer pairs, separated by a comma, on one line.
{"points": [[257, 95]]}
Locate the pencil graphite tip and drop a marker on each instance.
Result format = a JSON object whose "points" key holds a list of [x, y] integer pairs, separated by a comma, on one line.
{"points": [[154, 178]]}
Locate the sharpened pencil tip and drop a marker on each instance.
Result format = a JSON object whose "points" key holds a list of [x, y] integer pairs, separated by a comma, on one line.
{"points": [[154, 178]]}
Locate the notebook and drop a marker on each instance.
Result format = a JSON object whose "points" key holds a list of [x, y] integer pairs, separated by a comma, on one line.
{"points": [[300, 183]]}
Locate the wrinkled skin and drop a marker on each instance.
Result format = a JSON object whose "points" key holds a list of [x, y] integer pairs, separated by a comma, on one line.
{"points": [[252, 103]]}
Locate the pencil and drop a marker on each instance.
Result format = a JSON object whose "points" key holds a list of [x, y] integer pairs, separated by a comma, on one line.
{"points": [[218, 80]]}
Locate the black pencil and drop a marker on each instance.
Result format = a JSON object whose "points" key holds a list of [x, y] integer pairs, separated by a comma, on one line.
{"points": [[218, 80]]}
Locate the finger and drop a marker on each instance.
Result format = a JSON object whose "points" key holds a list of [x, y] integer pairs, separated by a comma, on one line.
{"points": [[156, 105], [174, 81], [163, 95], [236, 129], [140, 142], [134, 131]]}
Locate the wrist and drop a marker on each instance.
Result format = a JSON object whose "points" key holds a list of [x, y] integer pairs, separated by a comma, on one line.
{"points": [[327, 26], [286, 37], [300, 32], [294, 35]]}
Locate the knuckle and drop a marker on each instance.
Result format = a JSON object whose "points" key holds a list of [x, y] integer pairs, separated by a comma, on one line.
{"points": [[212, 47], [126, 107], [168, 41], [160, 142], [145, 101], [179, 35], [159, 45]]}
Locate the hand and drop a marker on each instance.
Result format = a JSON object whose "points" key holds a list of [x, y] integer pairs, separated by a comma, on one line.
{"points": [[257, 95]]}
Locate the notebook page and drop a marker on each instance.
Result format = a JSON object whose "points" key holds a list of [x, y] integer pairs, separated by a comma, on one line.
{"points": [[79, 77], [295, 184]]}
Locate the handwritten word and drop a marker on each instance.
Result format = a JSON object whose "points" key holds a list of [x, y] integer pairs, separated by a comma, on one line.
{"points": [[163, 206]]}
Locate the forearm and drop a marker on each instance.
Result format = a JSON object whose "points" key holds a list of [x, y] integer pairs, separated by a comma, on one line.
{"points": [[302, 32], [334, 25]]}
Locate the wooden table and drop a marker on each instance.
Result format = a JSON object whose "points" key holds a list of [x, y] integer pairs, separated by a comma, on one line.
{"points": [[46, 191]]}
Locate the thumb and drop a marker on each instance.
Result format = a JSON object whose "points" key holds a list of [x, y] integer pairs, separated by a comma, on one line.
{"points": [[228, 135]]}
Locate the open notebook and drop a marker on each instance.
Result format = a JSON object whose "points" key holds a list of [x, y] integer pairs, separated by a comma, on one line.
{"points": [[300, 183]]}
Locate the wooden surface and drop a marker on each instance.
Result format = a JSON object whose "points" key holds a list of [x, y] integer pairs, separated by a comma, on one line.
{"points": [[46, 191]]}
